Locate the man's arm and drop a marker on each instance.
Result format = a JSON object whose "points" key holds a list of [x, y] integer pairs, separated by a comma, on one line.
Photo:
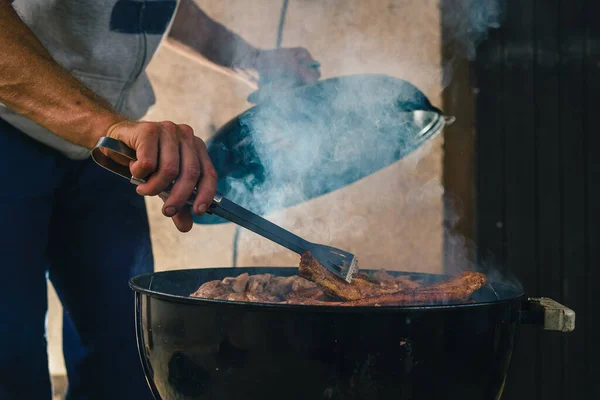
{"points": [[34, 85], [195, 30]]}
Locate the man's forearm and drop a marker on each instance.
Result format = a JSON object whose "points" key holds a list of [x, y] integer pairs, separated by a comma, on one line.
{"points": [[196, 30], [34, 85]]}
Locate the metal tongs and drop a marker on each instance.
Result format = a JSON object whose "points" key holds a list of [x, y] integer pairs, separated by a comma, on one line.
{"points": [[339, 262]]}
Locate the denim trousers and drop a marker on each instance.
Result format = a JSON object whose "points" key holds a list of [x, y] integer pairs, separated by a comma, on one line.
{"points": [[87, 231]]}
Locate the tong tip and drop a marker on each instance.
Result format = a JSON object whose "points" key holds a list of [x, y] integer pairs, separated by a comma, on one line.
{"points": [[351, 270]]}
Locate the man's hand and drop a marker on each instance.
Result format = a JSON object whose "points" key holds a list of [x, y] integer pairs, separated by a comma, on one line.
{"points": [[168, 152], [292, 64], [193, 30]]}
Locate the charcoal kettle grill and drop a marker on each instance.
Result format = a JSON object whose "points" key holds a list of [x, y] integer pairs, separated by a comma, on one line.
{"points": [[199, 349]]}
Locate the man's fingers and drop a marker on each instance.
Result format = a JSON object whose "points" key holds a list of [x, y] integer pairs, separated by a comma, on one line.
{"points": [[143, 137], [189, 173], [302, 54], [146, 155], [183, 220], [207, 185], [309, 75], [307, 66], [168, 162], [170, 157]]}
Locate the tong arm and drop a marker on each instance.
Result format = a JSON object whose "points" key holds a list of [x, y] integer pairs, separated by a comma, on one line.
{"points": [[220, 206]]}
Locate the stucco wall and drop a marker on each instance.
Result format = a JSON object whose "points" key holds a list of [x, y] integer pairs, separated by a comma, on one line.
{"points": [[392, 219]]}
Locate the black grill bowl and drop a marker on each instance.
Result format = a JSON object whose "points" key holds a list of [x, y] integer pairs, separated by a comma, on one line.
{"points": [[206, 349]]}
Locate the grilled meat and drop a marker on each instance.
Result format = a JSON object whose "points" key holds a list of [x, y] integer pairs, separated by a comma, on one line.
{"points": [[212, 289], [458, 288], [317, 286], [361, 286], [247, 287]]}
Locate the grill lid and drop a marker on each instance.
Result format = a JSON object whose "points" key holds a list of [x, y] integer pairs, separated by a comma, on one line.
{"points": [[306, 142]]}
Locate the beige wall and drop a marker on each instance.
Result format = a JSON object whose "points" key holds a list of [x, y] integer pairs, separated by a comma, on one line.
{"points": [[403, 228]]}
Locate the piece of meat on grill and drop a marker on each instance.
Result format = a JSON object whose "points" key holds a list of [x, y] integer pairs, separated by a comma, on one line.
{"points": [[212, 289], [252, 297], [363, 291], [281, 286], [403, 282], [457, 288], [361, 286], [245, 287]]}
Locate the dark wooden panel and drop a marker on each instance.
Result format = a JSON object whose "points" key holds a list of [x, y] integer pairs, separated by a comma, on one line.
{"points": [[538, 182], [489, 156], [520, 194], [572, 112], [592, 179], [547, 110], [592, 144]]}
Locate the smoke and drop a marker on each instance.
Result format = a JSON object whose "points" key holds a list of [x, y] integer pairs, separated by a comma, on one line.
{"points": [[297, 149], [300, 147], [462, 254], [466, 23], [323, 138]]}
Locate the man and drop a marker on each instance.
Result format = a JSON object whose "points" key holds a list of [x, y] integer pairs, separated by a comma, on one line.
{"points": [[70, 73]]}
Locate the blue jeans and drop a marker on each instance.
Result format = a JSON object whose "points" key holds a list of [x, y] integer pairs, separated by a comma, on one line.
{"points": [[87, 231]]}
